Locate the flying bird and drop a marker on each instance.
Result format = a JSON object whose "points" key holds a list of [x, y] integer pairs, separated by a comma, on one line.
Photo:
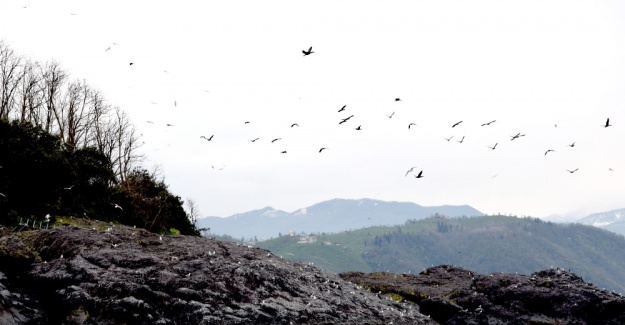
{"points": [[359, 128], [274, 140], [489, 123], [247, 122], [207, 139], [342, 108], [516, 136], [131, 63], [449, 138], [294, 124], [309, 52], [409, 171], [398, 99], [150, 122], [175, 103], [320, 150], [108, 49], [572, 171], [169, 124], [116, 206], [548, 151], [572, 145], [69, 188], [607, 123], [495, 146], [411, 124], [346, 119], [254, 140], [283, 151], [453, 126], [420, 175], [390, 116], [461, 140], [4, 196]]}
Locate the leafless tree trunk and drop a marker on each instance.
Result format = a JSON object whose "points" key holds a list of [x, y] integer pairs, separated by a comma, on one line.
{"points": [[192, 210], [30, 94], [53, 78], [75, 117], [126, 145], [10, 76]]}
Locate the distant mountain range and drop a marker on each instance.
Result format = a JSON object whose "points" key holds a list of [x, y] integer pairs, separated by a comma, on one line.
{"points": [[612, 220], [327, 217]]}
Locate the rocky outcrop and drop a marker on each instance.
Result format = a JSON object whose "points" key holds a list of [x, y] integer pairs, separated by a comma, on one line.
{"points": [[104, 274], [452, 295]]}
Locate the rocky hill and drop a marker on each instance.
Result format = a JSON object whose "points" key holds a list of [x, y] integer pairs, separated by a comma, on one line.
{"points": [[98, 273], [102, 274]]}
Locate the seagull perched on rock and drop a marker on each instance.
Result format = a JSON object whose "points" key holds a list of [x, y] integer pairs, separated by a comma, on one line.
{"points": [[309, 52]]}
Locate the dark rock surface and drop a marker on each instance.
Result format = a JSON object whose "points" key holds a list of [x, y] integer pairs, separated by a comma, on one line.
{"points": [[452, 295], [101, 274]]}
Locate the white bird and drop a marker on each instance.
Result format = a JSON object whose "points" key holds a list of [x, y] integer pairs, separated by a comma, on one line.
{"points": [[117, 206]]}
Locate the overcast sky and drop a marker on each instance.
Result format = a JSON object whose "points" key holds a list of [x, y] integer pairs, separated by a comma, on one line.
{"points": [[552, 70]]}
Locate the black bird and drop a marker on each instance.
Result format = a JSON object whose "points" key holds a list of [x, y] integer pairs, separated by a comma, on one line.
{"points": [[346, 119], [309, 52], [342, 108], [572, 171], [175, 103], [461, 140], [410, 171], [420, 175], [572, 145], [359, 128], [516, 136], [488, 123], [411, 124], [131, 63], [390, 116], [495, 146], [247, 122], [449, 138], [108, 49], [607, 123], [254, 140], [150, 122], [283, 151], [320, 150], [207, 139], [294, 124], [610, 169], [398, 99], [548, 151], [453, 126], [169, 124], [274, 140]]}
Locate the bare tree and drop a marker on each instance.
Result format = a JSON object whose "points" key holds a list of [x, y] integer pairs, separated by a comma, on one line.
{"points": [[75, 117], [192, 210], [53, 79], [126, 144], [10, 76], [30, 94]]}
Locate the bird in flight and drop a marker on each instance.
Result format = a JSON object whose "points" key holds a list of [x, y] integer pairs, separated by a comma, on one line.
{"points": [[247, 122], [108, 49], [607, 123], [420, 175], [274, 140], [150, 122], [175, 103], [4, 196], [489, 123], [254, 140], [207, 139], [548, 151], [359, 128], [453, 126], [346, 119], [294, 124], [449, 138], [398, 99], [410, 171], [116, 206], [390, 116], [283, 151], [320, 150], [411, 124], [572, 171], [69, 188], [572, 145], [461, 140], [495, 146], [220, 168], [342, 108], [516, 136], [169, 124], [610, 169], [309, 52], [131, 63]]}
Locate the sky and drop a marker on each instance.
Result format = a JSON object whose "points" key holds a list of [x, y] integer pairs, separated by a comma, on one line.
{"points": [[551, 70]]}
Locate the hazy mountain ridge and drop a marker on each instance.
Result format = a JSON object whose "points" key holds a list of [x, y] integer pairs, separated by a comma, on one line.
{"points": [[328, 216], [611, 220]]}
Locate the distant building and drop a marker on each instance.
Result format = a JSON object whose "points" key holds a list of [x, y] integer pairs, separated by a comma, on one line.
{"points": [[307, 239]]}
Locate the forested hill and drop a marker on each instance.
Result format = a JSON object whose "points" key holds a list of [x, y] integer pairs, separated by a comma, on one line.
{"points": [[483, 244]]}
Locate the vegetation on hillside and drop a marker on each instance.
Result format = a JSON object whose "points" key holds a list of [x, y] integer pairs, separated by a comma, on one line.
{"points": [[65, 152], [483, 244]]}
